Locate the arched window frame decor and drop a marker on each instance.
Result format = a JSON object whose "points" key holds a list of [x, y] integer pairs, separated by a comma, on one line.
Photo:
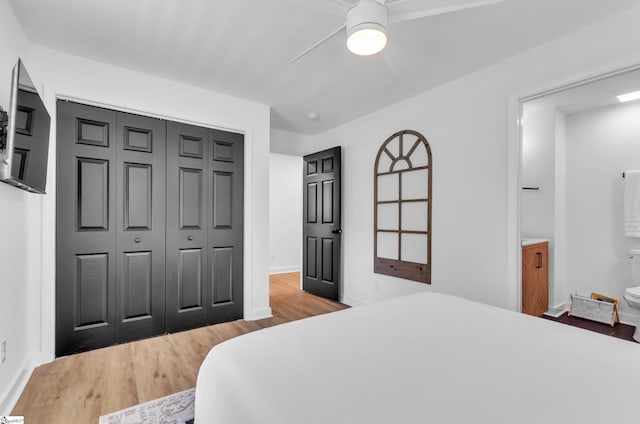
{"points": [[395, 158]]}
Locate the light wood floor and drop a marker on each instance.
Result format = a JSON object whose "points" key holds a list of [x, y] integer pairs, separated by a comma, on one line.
{"points": [[80, 388]]}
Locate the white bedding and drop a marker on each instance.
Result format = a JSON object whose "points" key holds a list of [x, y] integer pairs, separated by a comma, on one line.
{"points": [[424, 358]]}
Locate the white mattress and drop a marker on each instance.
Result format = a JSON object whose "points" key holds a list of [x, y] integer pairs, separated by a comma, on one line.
{"points": [[418, 359]]}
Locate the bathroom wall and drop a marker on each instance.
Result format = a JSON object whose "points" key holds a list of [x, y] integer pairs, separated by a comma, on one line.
{"points": [[543, 211], [538, 170], [601, 144]]}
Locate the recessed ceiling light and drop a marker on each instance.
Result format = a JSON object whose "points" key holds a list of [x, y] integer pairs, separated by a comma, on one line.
{"points": [[629, 96], [312, 115]]}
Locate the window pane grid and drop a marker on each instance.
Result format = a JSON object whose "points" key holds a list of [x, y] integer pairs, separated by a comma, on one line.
{"points": [[402, 220]]}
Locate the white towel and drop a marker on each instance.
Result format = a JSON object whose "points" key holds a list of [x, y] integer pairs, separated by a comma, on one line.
{"points": [[632, 204]]}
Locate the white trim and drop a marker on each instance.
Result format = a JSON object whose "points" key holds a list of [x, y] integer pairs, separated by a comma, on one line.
{"points": [[514, 176], [284, 269], [14, 389], [514, 172], [629, 319], [556, 311], [47, 353], [257, 314], [353, 301]]}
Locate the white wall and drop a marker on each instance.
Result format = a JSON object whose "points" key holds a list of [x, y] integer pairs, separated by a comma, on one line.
{"points": [[471, 126], [288, 143], [601, 144], [542, 211], [538, 170], [285, 213], [20, 242]]}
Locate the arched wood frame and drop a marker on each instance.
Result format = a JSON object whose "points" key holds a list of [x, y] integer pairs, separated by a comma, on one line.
{"points": [[406, 157]]}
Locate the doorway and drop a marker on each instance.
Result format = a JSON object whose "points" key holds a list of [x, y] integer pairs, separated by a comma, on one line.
{"points": [[574, 144], [296, 184]]}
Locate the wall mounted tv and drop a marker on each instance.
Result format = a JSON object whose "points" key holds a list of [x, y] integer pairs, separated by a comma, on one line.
{"points": [[24, 138]]}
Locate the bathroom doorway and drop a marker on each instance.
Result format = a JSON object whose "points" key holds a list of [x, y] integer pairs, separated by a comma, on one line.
{"points": [[575, 143]]}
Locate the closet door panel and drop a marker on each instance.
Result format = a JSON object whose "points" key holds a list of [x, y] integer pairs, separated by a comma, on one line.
{"points": [[187, 264], [85, 228], [225, 225], [140, 223]]}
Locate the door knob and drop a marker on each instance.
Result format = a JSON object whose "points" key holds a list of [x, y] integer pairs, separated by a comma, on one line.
{"points": [[190, 238], [137, 240], [338, 231]]}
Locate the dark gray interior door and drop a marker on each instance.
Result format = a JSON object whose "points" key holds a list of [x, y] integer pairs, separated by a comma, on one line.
{"points": [[204, 226], [321, 233]]}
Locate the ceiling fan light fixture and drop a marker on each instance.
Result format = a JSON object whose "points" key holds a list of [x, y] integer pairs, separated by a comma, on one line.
{"points": [[367, 38]]}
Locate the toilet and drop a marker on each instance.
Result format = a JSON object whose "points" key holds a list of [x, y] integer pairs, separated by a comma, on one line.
{"points": [[632, 294]]}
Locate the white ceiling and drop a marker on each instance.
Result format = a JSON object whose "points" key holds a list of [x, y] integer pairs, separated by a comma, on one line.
{"points": [[242, 47]]}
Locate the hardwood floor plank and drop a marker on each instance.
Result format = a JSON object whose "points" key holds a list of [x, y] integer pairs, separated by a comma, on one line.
{"points": [[79, 388]]}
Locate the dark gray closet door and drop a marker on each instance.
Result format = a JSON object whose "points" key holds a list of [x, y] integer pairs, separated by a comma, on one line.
{"points": [[225, 225], [110, 227], [187, 259], [85, 228], [205, 186], [146, 243], [140, 223]]}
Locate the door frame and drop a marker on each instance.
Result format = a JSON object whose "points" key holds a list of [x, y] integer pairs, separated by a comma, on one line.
{"points": [[46, 351], [514, 167]]}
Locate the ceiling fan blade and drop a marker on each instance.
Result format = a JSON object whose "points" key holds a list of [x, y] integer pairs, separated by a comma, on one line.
{"points": [[399, 11], [346, 3], [318, 43]]}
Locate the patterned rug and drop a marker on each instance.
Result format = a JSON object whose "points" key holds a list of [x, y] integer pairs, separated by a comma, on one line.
{"points": [[173, 409]]}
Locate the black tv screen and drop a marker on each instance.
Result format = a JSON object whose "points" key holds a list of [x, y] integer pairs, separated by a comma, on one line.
{"points": [[24, 150]]}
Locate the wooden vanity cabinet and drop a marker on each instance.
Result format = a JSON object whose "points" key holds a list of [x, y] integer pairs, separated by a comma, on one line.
{"points": [[535, 278]]}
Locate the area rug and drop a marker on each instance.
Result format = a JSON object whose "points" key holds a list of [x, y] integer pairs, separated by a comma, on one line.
{"points": [[173, 409]]}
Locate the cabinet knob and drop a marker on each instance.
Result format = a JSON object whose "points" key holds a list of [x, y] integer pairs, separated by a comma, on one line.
{"points": [[137, 240], [190, 238]]}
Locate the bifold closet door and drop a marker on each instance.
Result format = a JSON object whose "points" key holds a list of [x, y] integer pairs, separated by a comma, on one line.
{"points": [[85, 228], [187, 265], [110, 231], [140, 226], [204, 226]]}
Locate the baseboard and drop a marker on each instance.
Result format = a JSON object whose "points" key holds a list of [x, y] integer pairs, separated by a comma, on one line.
{"points": [[352, 301], [556, 311], [257, 314], [284, 269], [11, 395], [629, 319]]}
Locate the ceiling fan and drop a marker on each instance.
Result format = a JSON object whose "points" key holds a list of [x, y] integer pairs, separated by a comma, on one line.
{"points": [[367, 21]]}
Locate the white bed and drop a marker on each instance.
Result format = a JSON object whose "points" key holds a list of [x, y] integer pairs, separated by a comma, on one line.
{"points": [[417, 359]]}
